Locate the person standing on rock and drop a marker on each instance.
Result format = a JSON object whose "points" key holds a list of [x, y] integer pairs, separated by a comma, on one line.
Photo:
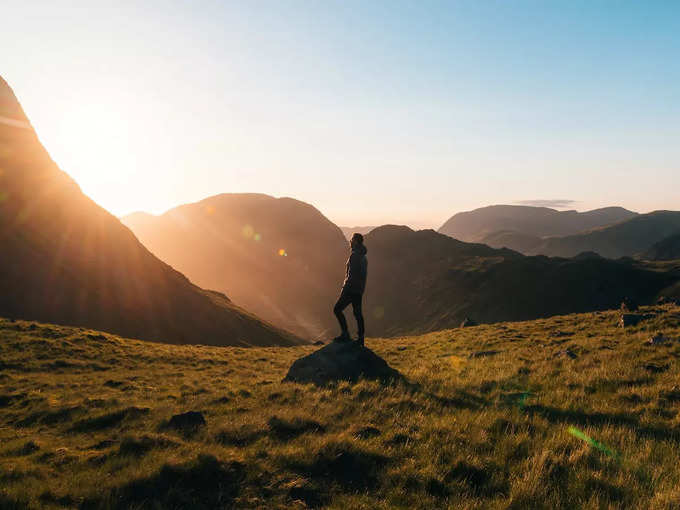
{"points": [[353, 289]]}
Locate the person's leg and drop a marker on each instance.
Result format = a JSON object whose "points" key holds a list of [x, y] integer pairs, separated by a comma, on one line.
{"points": [[341, 304], [359, 316]]}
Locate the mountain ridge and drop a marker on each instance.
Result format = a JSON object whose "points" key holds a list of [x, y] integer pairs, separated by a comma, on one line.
{"points": [[69, 261], [473, 226], [422, 281]]}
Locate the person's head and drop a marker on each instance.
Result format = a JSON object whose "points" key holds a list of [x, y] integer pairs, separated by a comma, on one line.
{"points": [[357, 239]]}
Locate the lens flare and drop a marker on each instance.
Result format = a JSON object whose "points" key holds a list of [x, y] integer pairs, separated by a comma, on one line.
{"points": [[457, 361], [523, 399], [595, 444], [247, 231]]}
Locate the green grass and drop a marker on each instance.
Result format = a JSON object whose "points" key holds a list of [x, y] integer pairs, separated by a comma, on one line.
{"points": [[498, 416]]}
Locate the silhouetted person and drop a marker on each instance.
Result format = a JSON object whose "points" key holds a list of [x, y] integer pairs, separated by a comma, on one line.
{"points": [[353, 289]]}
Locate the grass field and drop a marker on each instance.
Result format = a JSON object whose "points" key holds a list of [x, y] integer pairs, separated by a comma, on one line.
{"points": [[568, 412]]}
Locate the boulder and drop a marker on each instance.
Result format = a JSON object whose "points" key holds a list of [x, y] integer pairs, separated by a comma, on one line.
{"points": [[187, 422], [633, 319], [629, 319], [568, 353], [340, 361], [658, 339]]}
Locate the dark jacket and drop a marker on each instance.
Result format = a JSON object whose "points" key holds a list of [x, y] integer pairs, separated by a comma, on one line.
{"points": [[357, 269]]}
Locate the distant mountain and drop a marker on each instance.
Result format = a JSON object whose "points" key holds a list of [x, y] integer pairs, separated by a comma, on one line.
{"points": [[624, 239], [349, 231], [422, 281], [66, 260], [528, 223], [279, 257], [666, 249]]}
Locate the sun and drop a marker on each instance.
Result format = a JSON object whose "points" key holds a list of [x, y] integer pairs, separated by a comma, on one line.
{"points": [[99, 142]]}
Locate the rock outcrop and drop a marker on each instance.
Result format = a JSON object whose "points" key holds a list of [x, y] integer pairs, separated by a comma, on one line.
{"points": [[340, 361]]}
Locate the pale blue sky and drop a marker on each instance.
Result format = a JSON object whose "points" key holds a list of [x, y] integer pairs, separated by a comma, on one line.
{"points": [[375, 112]]}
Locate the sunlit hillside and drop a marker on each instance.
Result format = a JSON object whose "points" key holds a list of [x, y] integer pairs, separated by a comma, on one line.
{"points": [[278, 258], [67, 260], [567, 412]]}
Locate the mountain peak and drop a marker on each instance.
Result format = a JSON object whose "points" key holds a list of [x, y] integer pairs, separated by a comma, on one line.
{"points": [[10, 109]]}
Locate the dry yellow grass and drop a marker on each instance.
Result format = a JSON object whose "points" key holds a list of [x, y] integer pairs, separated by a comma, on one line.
{"points": [[482, 421]]}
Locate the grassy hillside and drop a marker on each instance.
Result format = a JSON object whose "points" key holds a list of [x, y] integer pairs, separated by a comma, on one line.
{"points": [[567, 412]]}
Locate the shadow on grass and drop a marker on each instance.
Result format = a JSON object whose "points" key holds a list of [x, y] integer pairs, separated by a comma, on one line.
{"points": [[108, 420], [285, 430], [611, 492], [239, 436], [479, 481], [50, 417], [460, 399], [140, 446], [7, 503], [341, 464], [205, 483]]}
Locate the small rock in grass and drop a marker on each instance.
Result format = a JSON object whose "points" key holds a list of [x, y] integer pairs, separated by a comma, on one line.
{"points": [[569, 353], [655, 369], [188, 421], [658, 339], [633, 319], [367, 433]]}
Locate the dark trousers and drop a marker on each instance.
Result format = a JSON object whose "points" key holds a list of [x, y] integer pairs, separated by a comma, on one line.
{"points": [[344, 300]]}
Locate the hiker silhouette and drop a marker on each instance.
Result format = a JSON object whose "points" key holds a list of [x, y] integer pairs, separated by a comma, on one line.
{"points": [[353, 289]]}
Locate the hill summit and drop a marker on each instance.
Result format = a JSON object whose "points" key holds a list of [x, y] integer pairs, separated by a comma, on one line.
{"points": [[278, 257]]}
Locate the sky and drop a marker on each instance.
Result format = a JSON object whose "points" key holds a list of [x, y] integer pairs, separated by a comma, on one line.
{"points": [[374, 112]]}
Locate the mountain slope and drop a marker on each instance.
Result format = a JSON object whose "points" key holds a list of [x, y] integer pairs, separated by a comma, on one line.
{"points": [[523, 243], [234, 242], [424, 281], [476, 225], [624, 239], [67, 260], [666, 249]]}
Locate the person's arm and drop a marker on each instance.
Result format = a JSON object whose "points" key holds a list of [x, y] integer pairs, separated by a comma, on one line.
{"points": [[354, 268], [362, 272]]}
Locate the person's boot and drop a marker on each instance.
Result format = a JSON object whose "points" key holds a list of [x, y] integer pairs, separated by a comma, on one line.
{"points": [[360, 341], [344, 337]]}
